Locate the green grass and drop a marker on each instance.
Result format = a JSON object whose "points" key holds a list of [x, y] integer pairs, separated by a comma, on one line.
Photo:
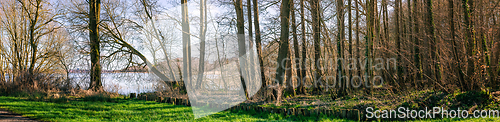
{"points": [[137, 110], [131, 110]]}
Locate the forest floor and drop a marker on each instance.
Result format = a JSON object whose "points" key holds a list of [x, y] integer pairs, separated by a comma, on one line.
{"points": [[100, 108], [387, 100]]}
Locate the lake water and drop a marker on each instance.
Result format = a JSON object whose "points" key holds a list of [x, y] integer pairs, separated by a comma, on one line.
{"points": [[126, 83], [122, 83]]}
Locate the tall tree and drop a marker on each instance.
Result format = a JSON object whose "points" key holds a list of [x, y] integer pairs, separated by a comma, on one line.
{"points": [[340, 48], [485, 51], [302, 89], [457, 64], [349, 12], [409, 33], [33, 16], [358, 44], [203, 32], [284, 45], [432, 39], [369, 38], [471, 39], [258, 44], [316, 27], [238, 5], [95, 71], [296, 50], [416, 29], [398, 38], [495, 59], [2, 62], [186, 44], [251, 42]]}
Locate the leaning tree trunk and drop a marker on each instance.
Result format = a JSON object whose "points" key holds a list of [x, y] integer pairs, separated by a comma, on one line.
{"points": [[162, 44]]}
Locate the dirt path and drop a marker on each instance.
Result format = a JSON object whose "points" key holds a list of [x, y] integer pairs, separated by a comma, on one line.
{"points": [[6, 116]]}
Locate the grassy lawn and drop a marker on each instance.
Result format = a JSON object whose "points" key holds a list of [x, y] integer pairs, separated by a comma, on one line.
{"points": [[130, 110], [138, 110]]}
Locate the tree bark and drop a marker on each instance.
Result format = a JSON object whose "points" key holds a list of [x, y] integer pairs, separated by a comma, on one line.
{"points": [[186, 45], [417, 60], [457, 64], [358, 44], [302, 89], [434, 43], [258, 43], [296, 50], [471, 39], [203, 31], [251, 55], [284, 46], [95, 71], [316, 25], [241, 43], [340, 49]]}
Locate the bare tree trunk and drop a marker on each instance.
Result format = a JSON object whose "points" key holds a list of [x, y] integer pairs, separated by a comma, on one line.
{"points": [[350, 69], [302, 88], [259, 47], [398, 39], [340, 49], [316, 18], [290, 87], [2, 63], [369, 42], [95, 72], [417, 57], [203, 31], [410, 35], [457, 64], [32, 41], [358, 44], [251, 55], [433, 44], [495, 59], [290, 91], [284, 46], [241, 42], [489, 68], [470, 35], [186, 45]]}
